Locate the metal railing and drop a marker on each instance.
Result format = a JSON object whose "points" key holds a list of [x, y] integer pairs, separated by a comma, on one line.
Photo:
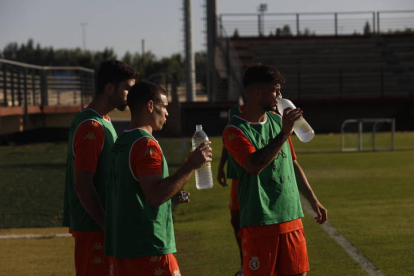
{"points": [[233, 65], [345, 82], [324, 23], [379, 73], [23, 85], [174, 84]]}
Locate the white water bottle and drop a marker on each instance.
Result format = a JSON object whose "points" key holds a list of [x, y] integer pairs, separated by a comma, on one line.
{"points": [[301, 128], [203, 176]]}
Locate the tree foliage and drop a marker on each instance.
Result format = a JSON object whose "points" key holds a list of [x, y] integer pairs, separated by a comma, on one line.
{"points": [[146, 63], [285, 31], [367, 28]]}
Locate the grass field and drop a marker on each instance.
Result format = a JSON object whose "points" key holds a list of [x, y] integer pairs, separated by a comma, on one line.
{"points": [[369, 196]]}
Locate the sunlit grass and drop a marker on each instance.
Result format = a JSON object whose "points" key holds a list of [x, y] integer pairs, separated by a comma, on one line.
{"points": [[368, 195]]}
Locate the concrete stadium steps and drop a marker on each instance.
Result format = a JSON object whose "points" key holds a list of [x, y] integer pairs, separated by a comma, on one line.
{"points": [[354, 84], [336, 67], [400, 46], [311, 51]]}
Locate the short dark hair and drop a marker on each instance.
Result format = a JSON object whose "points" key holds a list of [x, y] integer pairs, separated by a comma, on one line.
{"points": [[143, 92], [115, 72], [259, 73]]}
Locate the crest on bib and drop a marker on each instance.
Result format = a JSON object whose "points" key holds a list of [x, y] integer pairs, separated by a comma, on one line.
{"points": [[254, 263]]}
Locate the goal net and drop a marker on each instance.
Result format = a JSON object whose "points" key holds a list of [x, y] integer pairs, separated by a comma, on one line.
{"points": [[368, 135]]}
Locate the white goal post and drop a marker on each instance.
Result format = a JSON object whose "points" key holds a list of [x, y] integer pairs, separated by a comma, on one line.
{"points": [[359, 123]]}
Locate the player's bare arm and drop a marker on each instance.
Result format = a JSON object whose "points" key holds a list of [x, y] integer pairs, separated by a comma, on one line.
{"points": [[306, 190], [89, 197], [221, 175], [158, 190], [260, 159]]}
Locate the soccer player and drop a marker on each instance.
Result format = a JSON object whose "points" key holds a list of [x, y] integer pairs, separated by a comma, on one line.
{"points": [[91, 137], [232, 174], [273, 241], [139, 228]]}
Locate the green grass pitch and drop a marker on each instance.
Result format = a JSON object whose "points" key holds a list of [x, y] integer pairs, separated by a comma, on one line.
{"points": [[369, 196]]}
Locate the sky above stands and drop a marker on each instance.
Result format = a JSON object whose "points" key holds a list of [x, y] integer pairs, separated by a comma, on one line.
{"points": [[123, 24]]}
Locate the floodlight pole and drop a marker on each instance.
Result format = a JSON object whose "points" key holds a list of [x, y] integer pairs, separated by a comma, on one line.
{"points": [[212, 78], [189, 56], [262, 9]]}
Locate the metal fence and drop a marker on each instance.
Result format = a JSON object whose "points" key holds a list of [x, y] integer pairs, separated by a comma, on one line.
{"points": [[307, 24], [382, 74], [346, 82], [23, 85]]}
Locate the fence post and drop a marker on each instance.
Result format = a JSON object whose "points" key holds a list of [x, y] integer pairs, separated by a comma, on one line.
{"points": [[26, 114], [5, 85], [378, 22], [336, 24], [12, 85], [297, 25], [373, 22], [19, 91], [43, 88], [34, 88], [340, 82], [81, 88]]}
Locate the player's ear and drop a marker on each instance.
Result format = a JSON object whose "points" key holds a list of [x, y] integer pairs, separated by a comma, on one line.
{"points": [[150, 106], [254, 92], [109, 89]]}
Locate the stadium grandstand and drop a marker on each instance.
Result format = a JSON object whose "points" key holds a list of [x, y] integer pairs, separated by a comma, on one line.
{"points": [[337, 66]]}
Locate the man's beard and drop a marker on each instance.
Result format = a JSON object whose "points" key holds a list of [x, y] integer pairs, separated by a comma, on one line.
{"points": [[268, 108]]}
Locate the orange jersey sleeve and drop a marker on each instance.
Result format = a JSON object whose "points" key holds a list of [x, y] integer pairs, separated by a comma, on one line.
{"points": [[145, 157], [237, 144], [87, 145]]}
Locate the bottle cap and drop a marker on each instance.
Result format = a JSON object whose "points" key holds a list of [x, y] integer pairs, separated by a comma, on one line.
{"points": [[199, 127]]}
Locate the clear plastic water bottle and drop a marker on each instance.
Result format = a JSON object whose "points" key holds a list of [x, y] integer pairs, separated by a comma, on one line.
{"points": [[203, 176], [301, 128]]}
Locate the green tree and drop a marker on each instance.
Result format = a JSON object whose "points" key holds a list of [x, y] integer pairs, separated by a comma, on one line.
{"points": [[367, 28], [127, 58], [286, 31]]}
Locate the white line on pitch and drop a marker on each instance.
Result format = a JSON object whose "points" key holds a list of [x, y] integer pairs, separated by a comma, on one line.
{"points": [[351, 250], [35, 236]]}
